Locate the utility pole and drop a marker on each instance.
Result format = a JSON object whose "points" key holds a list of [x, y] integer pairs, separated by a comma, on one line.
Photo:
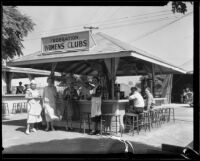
{"points": [[90, 28]]}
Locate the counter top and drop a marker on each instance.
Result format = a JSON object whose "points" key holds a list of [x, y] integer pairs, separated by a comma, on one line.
{"points": [[122, 100], [13, 95]]}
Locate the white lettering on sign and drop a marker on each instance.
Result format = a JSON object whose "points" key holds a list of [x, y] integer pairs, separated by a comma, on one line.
{"points": [[66, 42]]}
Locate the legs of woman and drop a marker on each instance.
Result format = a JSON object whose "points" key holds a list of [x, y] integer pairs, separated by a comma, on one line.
{"points": [[28, 129], [47, 128], [52, 128]]}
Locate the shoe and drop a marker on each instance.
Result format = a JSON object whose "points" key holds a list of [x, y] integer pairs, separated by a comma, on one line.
{"points": [[52, 129], [33, 130], [93, 132], [27, 132], [70, 128], [47, 129]]}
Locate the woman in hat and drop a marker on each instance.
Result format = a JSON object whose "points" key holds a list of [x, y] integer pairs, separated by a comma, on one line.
{"points": [[49, 103], [96, 91], [33, 107]]}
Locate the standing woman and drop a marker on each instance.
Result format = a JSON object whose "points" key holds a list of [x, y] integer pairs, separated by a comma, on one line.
{"points": [[68, 111], [96, 104], [49, 103], [33, 107]]}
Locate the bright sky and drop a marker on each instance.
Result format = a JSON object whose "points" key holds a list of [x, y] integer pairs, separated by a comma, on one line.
{"points": [[147, 28]]}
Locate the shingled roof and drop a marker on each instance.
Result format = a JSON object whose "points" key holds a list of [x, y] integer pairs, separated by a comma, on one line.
{"points": [[106, 47]]}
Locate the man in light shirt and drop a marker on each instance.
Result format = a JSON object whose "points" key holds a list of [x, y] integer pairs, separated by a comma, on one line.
{"points": [[137, 101], [149, 99]]}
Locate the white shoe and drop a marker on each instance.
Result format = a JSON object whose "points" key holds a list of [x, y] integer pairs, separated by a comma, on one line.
{"points": [[27, 132], [33, 130]]}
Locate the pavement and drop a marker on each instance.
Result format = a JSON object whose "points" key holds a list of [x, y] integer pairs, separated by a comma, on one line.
{"points": [[178, 133]]}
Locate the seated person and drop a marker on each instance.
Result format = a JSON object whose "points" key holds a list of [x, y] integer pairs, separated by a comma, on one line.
{"points": [[138, 101], [149, 99], [20, 88]]}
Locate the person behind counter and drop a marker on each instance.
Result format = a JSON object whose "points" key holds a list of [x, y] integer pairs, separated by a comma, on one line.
{"points": [[20, 88], [27, 86], [137, 100], [149, 99], [49, 103], [96, 104], [34, 108], [69, 94]]}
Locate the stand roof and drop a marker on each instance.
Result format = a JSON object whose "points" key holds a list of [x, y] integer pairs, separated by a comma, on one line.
{"points": [[133, 61]]}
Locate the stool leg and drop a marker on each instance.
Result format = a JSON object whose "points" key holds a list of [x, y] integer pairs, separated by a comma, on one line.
{"points": [[84, 126], [133, 126], [173, 114], [116, 124], [137, 124], [89, 122], [80, 124]]}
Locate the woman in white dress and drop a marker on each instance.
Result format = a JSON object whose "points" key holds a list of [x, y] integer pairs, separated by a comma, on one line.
{"points": [[49, 103], [33, 107]]}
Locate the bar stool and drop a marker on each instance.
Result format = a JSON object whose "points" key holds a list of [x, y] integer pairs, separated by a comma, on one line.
{"points": [[134, 118], [14, 108], [144, 120], [85, 117], [5, 108], [165, 115], [19, 107], [105, 118], [24, 106], [154, 114], [171, 109]]}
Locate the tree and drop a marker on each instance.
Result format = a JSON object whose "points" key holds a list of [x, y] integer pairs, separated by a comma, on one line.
{"points": [[179, 7], [15, 27]]}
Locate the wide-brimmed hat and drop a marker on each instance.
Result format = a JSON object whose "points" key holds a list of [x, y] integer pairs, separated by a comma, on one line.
{"points": [[32, 82]]}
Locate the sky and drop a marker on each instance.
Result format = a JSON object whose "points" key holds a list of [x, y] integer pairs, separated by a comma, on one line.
{"points": [[155, 30], [147, 28]]}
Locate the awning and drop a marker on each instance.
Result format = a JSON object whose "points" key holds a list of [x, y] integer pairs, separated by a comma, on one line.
{"points": [[133, 61], [23, 72]]}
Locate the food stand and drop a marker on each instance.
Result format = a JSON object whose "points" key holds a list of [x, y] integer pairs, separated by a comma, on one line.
{"points": [[99, 55]]}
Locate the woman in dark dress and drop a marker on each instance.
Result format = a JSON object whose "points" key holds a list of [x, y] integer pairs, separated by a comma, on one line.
{"points": [[69, 95]]}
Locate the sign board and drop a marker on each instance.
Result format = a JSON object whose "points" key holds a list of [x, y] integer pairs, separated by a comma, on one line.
{"points": [[66, 42]]}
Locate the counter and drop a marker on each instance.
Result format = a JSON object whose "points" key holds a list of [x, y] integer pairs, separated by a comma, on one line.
{"points": [[13, 98], [116, 107]]}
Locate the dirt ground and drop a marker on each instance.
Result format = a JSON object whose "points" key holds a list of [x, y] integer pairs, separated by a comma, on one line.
{"points": [[15, 140]]}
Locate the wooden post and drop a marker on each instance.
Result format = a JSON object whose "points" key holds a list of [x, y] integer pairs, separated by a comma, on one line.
{"points": [[113, 78], [153, 80], [30, 77], [9, 76], [53, 67]]}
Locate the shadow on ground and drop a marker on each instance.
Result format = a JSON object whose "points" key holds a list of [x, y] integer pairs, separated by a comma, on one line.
{"points": [[15, 122], [79, 146]]}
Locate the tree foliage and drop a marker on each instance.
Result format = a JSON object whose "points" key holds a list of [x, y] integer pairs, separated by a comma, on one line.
{"points": [[179, 7], [15, 27]]}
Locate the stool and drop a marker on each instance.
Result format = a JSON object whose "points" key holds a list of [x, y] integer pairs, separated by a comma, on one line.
{"points": [[159, 116], [117, 120], [14, 108], [144, 120], [153, 115], [166, 112], [171, 109], [134, 124], [84, 120], [24, 106], [5, 108], [19, 107]]}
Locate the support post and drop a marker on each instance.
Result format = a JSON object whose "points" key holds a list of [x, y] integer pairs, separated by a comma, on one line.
{"points": [[153, 80], [9, 76], [113, 78], [30, 77], [53, 67]]}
